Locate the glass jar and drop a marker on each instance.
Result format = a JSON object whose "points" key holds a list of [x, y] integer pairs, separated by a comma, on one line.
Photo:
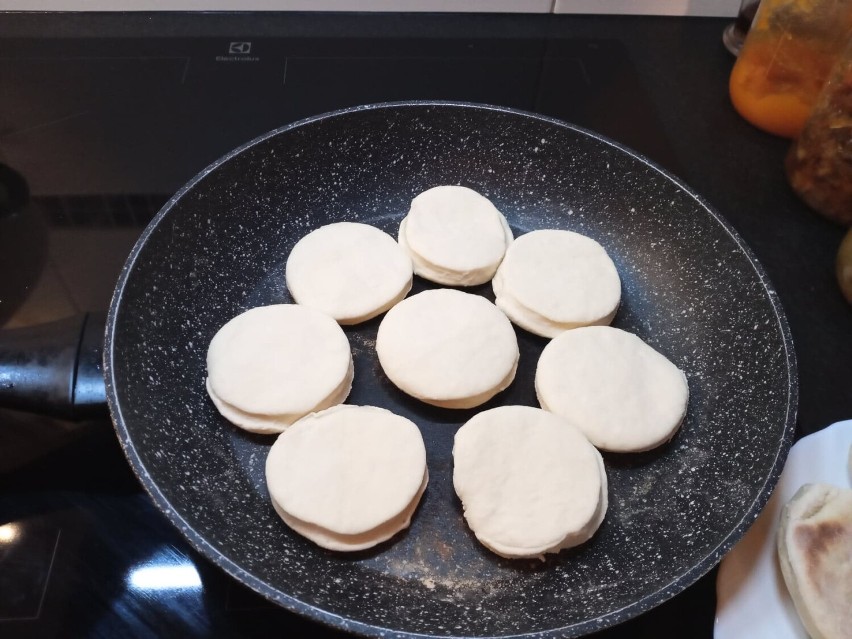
{"points": [[786, 59], [735, 33], [819, 164]]}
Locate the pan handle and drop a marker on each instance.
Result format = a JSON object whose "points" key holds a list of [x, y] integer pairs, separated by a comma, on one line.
{"points": [[55, 369]]}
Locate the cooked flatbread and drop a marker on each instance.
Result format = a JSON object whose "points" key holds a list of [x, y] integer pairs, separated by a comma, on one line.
{"points": [[815, 552]]}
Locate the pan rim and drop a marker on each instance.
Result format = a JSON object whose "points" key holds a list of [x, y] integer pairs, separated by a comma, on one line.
{"points": [[210, 552]]}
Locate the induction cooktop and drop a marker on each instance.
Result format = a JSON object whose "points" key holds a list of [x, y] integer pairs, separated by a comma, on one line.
{"points": [[103, 131]]}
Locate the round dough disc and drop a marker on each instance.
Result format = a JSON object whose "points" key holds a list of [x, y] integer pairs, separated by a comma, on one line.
{"points": [[349, 271], [448, 348], [348, 476], [359, 541], [551, 281], [530, 483], [274, 364], [620, 392], [272, 424], [455, 236]]}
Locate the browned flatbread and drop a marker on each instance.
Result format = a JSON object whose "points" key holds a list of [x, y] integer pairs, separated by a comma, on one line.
{"points": [[815, 552]]}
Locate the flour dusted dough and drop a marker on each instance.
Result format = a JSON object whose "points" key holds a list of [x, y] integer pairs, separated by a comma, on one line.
{"points": [[349, 477], [272, 424], [349, 271], [530, 483], [455, 236], [448, 348], [815, 553], [620, 392], [273, 364], [551, 281]]}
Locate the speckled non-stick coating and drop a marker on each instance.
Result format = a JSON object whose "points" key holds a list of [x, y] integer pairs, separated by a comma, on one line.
{"points": [[691, 289]]}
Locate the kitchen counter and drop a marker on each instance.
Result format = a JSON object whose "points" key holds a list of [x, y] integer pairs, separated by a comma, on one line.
{"points": [[70, 91]]}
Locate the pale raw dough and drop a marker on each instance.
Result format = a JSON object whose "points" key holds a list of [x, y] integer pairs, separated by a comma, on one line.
{"points": [[529, 482], [551, 281], [349, 477], [448, 348], [359, 541], [274, 364], [620, 392], [349, 271], [272, 424], [455, 236], [815, 553]]}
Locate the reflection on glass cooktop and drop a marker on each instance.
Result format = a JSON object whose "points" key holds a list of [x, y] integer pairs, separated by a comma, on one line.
{"points": [[103, 132], [143, 116]]}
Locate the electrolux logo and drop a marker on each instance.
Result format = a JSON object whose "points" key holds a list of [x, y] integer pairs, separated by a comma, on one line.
{"points": [[238, 51]]}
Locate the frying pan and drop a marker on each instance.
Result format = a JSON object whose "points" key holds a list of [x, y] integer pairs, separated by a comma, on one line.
{"points": [[691, 289]]}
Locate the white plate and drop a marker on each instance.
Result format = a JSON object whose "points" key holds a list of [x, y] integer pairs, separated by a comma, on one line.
{"points": [[751, 597]]}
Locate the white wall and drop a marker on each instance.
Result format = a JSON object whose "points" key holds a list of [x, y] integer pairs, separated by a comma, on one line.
{"points": [[724, 8]]}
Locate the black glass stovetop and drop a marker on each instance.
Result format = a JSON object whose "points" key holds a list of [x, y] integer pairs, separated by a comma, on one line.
{"points": [[103, 131]]}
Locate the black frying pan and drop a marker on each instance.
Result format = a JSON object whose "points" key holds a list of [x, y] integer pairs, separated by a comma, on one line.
{"points": [[691, 288]]}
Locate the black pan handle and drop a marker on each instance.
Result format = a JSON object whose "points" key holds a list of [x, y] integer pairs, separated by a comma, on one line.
{"points": [[55, 369]]}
